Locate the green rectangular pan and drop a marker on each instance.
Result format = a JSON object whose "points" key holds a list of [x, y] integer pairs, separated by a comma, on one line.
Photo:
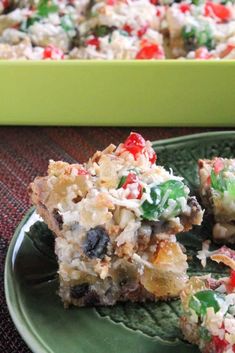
{"points": [[118, 93]]}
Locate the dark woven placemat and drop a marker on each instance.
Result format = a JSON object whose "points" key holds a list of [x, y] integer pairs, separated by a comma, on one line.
{"points": [[24, 153]]}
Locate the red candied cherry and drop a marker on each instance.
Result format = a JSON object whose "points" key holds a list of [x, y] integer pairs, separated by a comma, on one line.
{"points": [[52, 52], [127, 28], [154, 2], [152, 156], [82, 171], [202, 53], [184, 7], [218, 165], [220, 344], [159, 12], [142, 31], [231, 283], [93, 41], [232, 278], [227, 50], [208, 181], [111, 2], [133, 179], [134, 143], [150, 51], [5, 3], [220, 11]]}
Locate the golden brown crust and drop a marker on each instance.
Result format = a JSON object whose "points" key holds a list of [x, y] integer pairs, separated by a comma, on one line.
{"points": [[190, 330]]}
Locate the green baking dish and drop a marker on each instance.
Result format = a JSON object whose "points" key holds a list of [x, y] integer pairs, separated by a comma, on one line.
{"points": [[149, 93]]}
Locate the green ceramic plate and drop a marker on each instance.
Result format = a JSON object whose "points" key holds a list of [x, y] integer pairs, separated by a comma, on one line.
{"points": [[118, 93], [31, 283]]}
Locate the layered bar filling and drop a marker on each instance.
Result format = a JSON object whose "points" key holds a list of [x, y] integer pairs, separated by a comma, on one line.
{"points": [[115, 219]]}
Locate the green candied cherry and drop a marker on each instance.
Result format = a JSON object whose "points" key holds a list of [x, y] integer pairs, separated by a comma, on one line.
{"points": [[231, 188], [102, 31], [203, 300], [218, 182], [204, 38], [160, 195], [197, 37], [122, 181], [224, 2], [198, 2], [189, 37], [221, 184], [67, 23], [216, 177], [29, 22], [45, 7]]}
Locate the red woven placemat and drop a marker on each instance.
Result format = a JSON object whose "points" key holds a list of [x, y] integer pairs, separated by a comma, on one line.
{"points": [[24, 154]]}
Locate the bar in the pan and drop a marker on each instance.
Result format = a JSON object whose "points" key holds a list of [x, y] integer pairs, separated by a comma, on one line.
{"points": [[217, 188]]}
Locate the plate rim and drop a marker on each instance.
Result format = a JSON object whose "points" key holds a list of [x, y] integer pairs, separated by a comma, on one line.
{"points": [[14, 309], [197, 136], [26, 333]]}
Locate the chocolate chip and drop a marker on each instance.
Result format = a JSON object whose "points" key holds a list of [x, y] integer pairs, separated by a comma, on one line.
{"points": [[92, 298], [59, 219], [79, 290]]}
